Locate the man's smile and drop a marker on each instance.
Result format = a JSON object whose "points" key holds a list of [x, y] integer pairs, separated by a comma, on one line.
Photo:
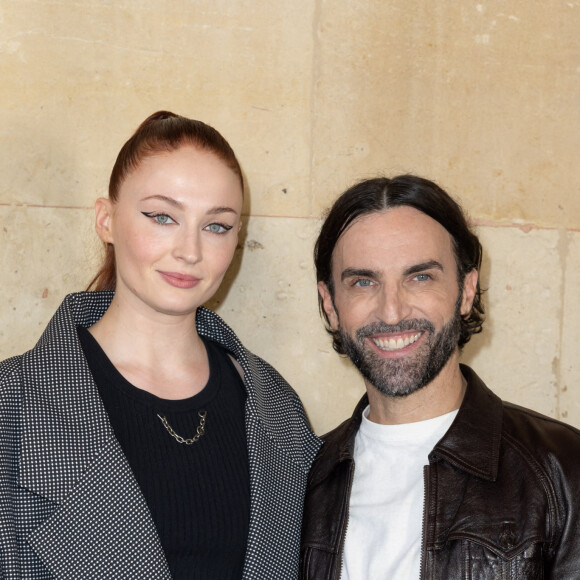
{"points": [[396, 343]]}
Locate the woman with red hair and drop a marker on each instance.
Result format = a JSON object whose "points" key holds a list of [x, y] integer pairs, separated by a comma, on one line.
{"points": [[140, 439]]}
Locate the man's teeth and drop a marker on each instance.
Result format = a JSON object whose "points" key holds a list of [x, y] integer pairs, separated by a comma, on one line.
{"points": [[392, 344]]}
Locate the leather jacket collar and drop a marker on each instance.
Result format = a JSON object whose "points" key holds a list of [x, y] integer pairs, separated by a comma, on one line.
{"points": [[471, 443], [473, 440]]}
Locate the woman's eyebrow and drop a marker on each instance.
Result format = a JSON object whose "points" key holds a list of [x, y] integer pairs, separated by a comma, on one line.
{"points": [[221, 209], [177, 204], [165, 198]]}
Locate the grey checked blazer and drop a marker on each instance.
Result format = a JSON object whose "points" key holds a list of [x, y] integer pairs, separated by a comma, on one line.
{"points": [[70, 506]]}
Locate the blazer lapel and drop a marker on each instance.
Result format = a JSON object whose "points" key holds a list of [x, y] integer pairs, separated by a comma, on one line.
{"points": [[101, 527], [278, 485], [281, 448]]}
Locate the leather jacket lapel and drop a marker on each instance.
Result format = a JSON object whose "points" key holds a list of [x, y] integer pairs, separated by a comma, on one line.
{"points": [[473, 440]]}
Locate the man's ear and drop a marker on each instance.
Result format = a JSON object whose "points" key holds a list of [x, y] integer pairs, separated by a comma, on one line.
{"points": [[328, 305], [469, 291], [104, 219]]}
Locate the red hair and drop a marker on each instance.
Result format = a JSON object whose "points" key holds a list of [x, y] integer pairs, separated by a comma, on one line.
{"points": [[161, 132]]}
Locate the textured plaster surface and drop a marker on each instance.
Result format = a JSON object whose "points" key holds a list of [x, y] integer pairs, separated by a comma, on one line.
{"points": [[82, 75], [518, 353], [483, 97], [569, 383], [45, 253]]}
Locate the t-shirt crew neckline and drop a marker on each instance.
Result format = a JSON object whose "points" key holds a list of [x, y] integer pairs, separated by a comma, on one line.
{"points": [[418, 432]]}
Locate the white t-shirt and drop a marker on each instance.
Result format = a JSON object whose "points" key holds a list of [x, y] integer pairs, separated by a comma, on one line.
{"points": [[384, 533]]}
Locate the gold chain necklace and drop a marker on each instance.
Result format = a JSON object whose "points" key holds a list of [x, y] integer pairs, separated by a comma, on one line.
{"points": [[200, 429]]}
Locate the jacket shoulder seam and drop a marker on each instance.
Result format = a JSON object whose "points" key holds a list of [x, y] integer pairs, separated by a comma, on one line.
{"points": [[512, 407]]}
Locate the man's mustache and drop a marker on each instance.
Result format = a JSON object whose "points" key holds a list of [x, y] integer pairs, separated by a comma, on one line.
{"points": [[380, 327]]}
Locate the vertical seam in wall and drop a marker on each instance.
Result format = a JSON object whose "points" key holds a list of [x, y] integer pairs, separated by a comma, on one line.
{"points": [[314, 98], [563, 250]]}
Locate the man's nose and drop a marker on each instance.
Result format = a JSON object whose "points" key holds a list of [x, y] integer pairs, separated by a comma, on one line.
{"points": [[393, 304]]}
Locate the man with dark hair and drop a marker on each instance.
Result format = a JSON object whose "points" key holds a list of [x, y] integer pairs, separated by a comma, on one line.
{"points": [[433, 476]]}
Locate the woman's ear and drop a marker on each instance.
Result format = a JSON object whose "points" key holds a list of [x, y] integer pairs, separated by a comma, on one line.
{"points": [[104, 219]]}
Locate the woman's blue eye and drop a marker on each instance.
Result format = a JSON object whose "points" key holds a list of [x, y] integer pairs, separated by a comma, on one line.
{"points": [[160, 218], [218, 228]]}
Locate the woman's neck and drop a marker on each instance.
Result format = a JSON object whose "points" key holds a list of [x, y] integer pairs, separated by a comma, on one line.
{"points": [[156, 352]]}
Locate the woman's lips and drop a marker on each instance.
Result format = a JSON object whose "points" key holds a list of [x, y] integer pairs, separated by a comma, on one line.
{"points": [[179, 280]]}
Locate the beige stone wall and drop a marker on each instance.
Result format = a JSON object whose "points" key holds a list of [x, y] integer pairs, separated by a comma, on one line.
{"points": [[482, 97]]}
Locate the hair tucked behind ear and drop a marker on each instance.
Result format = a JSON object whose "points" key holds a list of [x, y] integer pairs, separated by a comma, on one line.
{"points": [[161, 132], [380, 194]]}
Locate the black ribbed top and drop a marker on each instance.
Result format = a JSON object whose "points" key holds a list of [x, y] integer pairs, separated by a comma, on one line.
{"points": [[199, 494]]}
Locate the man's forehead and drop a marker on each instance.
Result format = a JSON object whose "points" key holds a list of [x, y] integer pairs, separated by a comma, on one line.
{"points": [[394, 238]]}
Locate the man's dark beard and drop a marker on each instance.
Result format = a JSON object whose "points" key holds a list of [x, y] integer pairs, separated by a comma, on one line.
{"points": [[400, 377]]}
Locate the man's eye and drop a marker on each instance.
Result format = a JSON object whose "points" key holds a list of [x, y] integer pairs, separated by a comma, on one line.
{"points": [[422, 277], [363, 283]]}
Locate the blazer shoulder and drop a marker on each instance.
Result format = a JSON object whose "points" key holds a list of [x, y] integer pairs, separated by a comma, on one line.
{"points": [[9, 369]]}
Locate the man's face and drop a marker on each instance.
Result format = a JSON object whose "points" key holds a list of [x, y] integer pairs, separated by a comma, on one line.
{"points": [[397, 303]]}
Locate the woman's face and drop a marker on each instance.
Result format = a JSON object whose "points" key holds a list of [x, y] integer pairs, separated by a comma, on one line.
{"points": [[174, 229]]}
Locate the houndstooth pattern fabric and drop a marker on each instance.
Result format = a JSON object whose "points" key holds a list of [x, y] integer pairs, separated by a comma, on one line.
{"points": [[69, 504]]}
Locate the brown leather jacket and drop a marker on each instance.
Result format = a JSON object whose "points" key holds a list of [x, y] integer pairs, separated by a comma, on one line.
{"points": [[502, 493]]}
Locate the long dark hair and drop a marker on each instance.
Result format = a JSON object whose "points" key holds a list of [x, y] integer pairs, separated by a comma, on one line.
{"points": [[379, 194]]}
